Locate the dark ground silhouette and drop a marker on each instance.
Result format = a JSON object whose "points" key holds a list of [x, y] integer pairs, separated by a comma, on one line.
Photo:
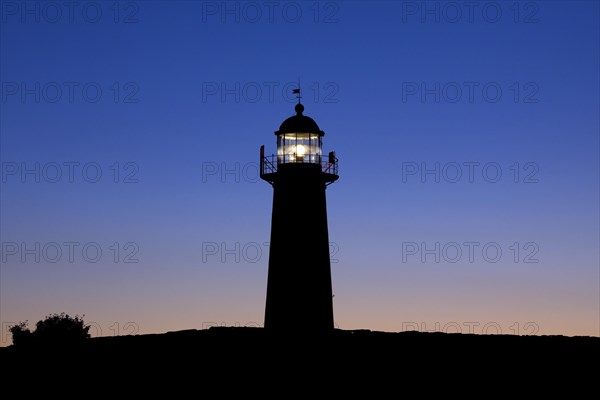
{"points": [[366, 343], [234, 359]]}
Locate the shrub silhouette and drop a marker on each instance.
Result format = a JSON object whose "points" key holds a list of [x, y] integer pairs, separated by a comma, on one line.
{"points": [[55, 330], [21, 335]]}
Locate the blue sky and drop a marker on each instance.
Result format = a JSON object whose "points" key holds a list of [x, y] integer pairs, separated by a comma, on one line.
{"points": [[178, 96]]}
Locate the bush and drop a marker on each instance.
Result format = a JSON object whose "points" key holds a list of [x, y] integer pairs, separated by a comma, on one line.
{"points": [[21, 335], [55, 330]]}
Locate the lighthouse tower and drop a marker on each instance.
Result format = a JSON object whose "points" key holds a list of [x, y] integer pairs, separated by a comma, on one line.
{"points": [[299, 295]]}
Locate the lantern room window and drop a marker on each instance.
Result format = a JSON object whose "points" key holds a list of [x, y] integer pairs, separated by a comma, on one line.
{"points": [[299, 148]]}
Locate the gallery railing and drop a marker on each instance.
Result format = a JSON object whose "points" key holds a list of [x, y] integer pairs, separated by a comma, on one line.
{"points": [[268, 164]]}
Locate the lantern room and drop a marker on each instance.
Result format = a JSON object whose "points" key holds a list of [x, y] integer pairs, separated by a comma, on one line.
{"points": [[299, 139]]}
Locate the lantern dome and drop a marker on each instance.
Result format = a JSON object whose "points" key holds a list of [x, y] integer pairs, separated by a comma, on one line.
{"points": [[299, 124]]}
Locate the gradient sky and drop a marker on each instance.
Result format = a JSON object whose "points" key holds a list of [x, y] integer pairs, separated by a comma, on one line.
{"points": [[188, 93]]}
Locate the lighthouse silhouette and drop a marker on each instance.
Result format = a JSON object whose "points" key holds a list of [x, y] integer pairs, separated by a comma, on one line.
{"points": [[299, 294]]}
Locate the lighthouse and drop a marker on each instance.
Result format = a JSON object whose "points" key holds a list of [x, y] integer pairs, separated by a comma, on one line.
{"points": [[299, 294]]}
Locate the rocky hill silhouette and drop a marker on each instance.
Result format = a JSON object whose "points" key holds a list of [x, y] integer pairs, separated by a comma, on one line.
{"points": [[239, 342]]}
